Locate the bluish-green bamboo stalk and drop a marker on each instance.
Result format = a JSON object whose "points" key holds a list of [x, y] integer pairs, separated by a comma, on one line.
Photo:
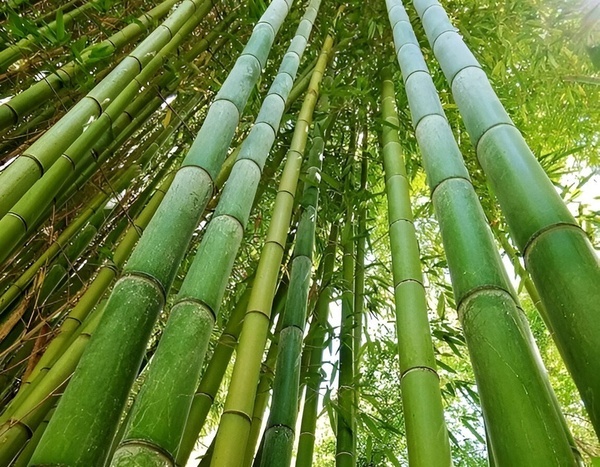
{"points": [[557, 252], [523, 421], [171, 382], [86, 419]]}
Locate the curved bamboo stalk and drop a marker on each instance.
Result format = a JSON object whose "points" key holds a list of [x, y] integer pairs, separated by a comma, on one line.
{"points": [[109, 366], [237, 416], [557, 252], [27, 169], [523, 421], [24, 103]]}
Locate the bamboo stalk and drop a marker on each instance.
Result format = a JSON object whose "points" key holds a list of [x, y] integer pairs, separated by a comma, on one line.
{"points": [[345, 449], [426, 432], [280, 432], [201, 293], [557, 252], [523, 421], [237, 416], [109, 366]]}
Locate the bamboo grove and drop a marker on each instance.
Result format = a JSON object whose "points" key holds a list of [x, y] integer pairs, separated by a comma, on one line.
{"points": [[297, 233]]}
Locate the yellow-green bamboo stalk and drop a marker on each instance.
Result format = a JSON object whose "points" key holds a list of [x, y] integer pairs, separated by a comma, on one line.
{"points": [[426, 432], [237, 416]]}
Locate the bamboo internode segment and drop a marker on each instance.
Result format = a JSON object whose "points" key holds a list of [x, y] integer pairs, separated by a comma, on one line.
{"points": [[24, 103], [557, 252], [512, 383], [237, 416], [22, 174], [426, 433], [110, 364], [212, 378]]}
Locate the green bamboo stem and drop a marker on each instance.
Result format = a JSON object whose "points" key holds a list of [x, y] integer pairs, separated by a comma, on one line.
{"points": [[25, 455], [314, 348], [201, 293], [98, 391], [265, 381], [263, 394], [237, 416], [524, 423], [359, 273], [27, 169], [96, 205], [280, 432], [345, 452], [24, 103], [32, 204], [14, 52], [211, 379], [426, 432], [557, 252], [34, 407]]}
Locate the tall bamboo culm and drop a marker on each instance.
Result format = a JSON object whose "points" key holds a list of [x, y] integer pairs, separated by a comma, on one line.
{"points": [[97, 392], [236, 420], [426, 432], [315, 346], [557, 252], [524, 424], [171, 380], [280, 432]]}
